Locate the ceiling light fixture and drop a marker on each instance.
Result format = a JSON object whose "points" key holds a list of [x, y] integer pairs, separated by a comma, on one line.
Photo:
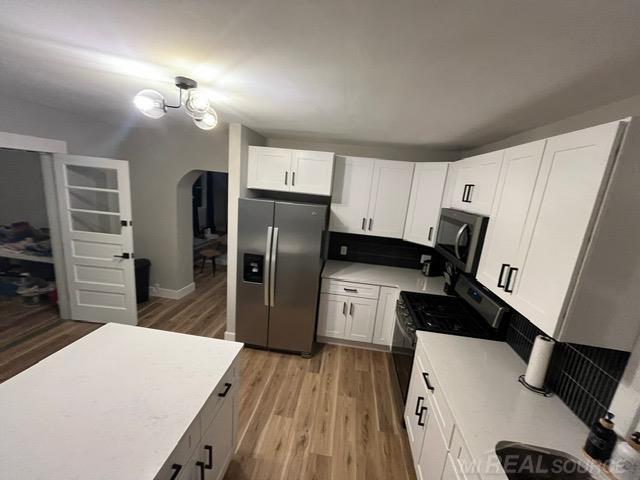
{"points": [[196, 103]]}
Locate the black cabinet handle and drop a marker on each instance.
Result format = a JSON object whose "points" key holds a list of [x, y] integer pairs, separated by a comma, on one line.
{"points": [[286, 177], [430, 233], [420, 421], [227, 387], [502, 269], [364, 223], [419, 405], [507, 287], [209, 449], [426, 380], [201, 466], [124, 255], [293, 179], [470, 192], [464, 193], [352, 290], [370, 223], [176, 471]]}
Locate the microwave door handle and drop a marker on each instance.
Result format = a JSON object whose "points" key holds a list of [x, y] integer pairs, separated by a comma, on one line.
{"points": [[456, 245], [267, 266]]}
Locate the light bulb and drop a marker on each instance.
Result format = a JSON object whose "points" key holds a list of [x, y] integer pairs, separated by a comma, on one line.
{"points": [[197, 103], [150, 103], [208, 121]]}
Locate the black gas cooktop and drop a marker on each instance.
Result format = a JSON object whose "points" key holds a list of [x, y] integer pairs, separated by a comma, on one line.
{"points": [[444, 314]]}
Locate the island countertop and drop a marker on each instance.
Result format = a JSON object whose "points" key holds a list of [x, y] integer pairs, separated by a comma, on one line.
{"points": [[111, 405]]}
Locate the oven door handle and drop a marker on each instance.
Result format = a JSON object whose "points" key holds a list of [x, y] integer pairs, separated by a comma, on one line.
{"points": [[402, 330], [456, 245]]}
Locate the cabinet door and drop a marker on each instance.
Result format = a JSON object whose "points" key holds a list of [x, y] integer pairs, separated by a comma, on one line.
{"points": [[434, 450], [510, 210], [416, 410], [389, 199], [312, 172], [269, 168], [361, 319], [332, 315], [386, 316], [571, 179], [351, 190], [450, 470], [425, 203], [476, 181]]}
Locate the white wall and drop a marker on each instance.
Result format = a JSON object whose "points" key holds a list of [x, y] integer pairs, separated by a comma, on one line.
{"points": [[626, 402], [240, 137], [389, 152], [22, 189]]}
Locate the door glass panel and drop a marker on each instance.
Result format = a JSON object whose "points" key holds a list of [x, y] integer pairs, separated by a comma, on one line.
{"points": [[94, 200], [78, 176], [95, 222]]}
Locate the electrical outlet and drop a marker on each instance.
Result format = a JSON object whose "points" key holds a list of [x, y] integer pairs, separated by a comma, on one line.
{"points": [[424, 258], [343, 250]]}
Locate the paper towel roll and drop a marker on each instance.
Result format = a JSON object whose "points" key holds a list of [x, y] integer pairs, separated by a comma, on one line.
{"points": [[539, 361]]}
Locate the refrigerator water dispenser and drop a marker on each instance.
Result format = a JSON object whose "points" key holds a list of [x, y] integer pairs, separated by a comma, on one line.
{"points": [[253, 268]]}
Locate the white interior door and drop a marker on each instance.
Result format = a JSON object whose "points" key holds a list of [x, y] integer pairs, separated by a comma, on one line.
{"points": [[94, 202]]}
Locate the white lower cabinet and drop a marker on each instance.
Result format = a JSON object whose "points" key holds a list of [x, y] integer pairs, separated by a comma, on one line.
{"points": [[386, 316], [434, 449], [416, 411], [347, 318]]}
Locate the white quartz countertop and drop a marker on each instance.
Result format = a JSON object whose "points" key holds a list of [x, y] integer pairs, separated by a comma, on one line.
{"points": [[112, 405], [479, 380], [407, 279]]}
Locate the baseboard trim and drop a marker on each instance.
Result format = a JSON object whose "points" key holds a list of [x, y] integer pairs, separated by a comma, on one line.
{"points": [[172, 294], [349, 343], [230, 336]]}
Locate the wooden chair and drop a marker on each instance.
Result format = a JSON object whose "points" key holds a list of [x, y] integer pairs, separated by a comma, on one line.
{"points": [[209, 254]]}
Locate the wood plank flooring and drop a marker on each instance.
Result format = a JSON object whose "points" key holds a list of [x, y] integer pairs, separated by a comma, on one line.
{"points": [[335, 416]]}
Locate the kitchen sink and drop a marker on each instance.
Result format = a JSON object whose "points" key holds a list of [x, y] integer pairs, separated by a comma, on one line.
{"points": [[528, 462]]}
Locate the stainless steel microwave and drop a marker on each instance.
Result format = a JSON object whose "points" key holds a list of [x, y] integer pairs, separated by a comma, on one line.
{"points": [[460, 238]]}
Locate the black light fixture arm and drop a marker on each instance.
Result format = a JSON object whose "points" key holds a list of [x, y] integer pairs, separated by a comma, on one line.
{"points": [[183, 84]]}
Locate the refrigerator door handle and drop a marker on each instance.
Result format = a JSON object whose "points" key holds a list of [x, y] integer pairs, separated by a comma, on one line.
{"points": [[272, 268], [267, 266]]}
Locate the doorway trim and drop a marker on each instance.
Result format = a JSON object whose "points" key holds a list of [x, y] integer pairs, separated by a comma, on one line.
{"points": [[46, 147]]}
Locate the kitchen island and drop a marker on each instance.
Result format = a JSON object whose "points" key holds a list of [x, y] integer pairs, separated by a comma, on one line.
{"points": [[123, 403]]}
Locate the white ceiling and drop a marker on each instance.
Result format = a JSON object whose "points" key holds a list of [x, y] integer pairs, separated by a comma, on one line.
{"points": [[453, 73]]}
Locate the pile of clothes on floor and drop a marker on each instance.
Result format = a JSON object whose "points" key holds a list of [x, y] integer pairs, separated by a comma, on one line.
{"points": [[21, 237]]}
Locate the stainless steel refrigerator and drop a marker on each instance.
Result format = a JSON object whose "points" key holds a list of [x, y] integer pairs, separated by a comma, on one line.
{"points": [[279, 263]]}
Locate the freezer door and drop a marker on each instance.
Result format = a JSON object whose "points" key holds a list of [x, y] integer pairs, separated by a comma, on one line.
{"points": [[296, 275], [255, 226]]}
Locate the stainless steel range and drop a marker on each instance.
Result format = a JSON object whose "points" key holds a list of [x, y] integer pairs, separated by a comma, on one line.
{"points": [[472, 312]]}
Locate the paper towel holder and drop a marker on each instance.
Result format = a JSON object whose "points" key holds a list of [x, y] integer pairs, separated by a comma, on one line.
{"points": [[540, 391]]}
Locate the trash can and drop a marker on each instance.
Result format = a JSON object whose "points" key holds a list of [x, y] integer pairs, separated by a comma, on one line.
{"points": [[142, 266]]}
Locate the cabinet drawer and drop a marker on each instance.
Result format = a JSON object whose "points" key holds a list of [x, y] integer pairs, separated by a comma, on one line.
{"points": [[351, 289], [224, 389], [177, 467], [442, 413]]}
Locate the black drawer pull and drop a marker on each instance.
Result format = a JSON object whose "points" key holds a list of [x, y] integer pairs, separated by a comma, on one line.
{"points": [[420, 421], [507, 287], [426, 380], [201, 466], [352, 290], [176, 471], [419, 405], [209, 449], [227, 387], [502, 269]]}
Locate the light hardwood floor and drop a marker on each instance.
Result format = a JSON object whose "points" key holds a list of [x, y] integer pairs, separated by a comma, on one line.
{"points": [[336, 416]]}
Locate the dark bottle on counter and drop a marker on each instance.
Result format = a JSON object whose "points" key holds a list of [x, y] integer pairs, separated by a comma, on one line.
{"points": [[602, 439]]}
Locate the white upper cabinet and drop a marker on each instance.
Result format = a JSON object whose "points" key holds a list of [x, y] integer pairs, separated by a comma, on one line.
{"points": [[268, 168], [285, 170], [425, 203], [390, 191], [557, 228], [350, 199], [510, 209], [475, 183], [312, 172], [370, 196]]}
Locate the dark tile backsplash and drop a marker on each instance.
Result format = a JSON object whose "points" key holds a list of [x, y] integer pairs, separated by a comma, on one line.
{"points": [[585, 378], [377, 250]]}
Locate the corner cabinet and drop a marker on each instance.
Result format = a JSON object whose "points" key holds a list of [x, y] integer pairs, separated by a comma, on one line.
{"points": [[286, 170], [561, 237], [370, 196], [425, 202], [475, 184]]}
